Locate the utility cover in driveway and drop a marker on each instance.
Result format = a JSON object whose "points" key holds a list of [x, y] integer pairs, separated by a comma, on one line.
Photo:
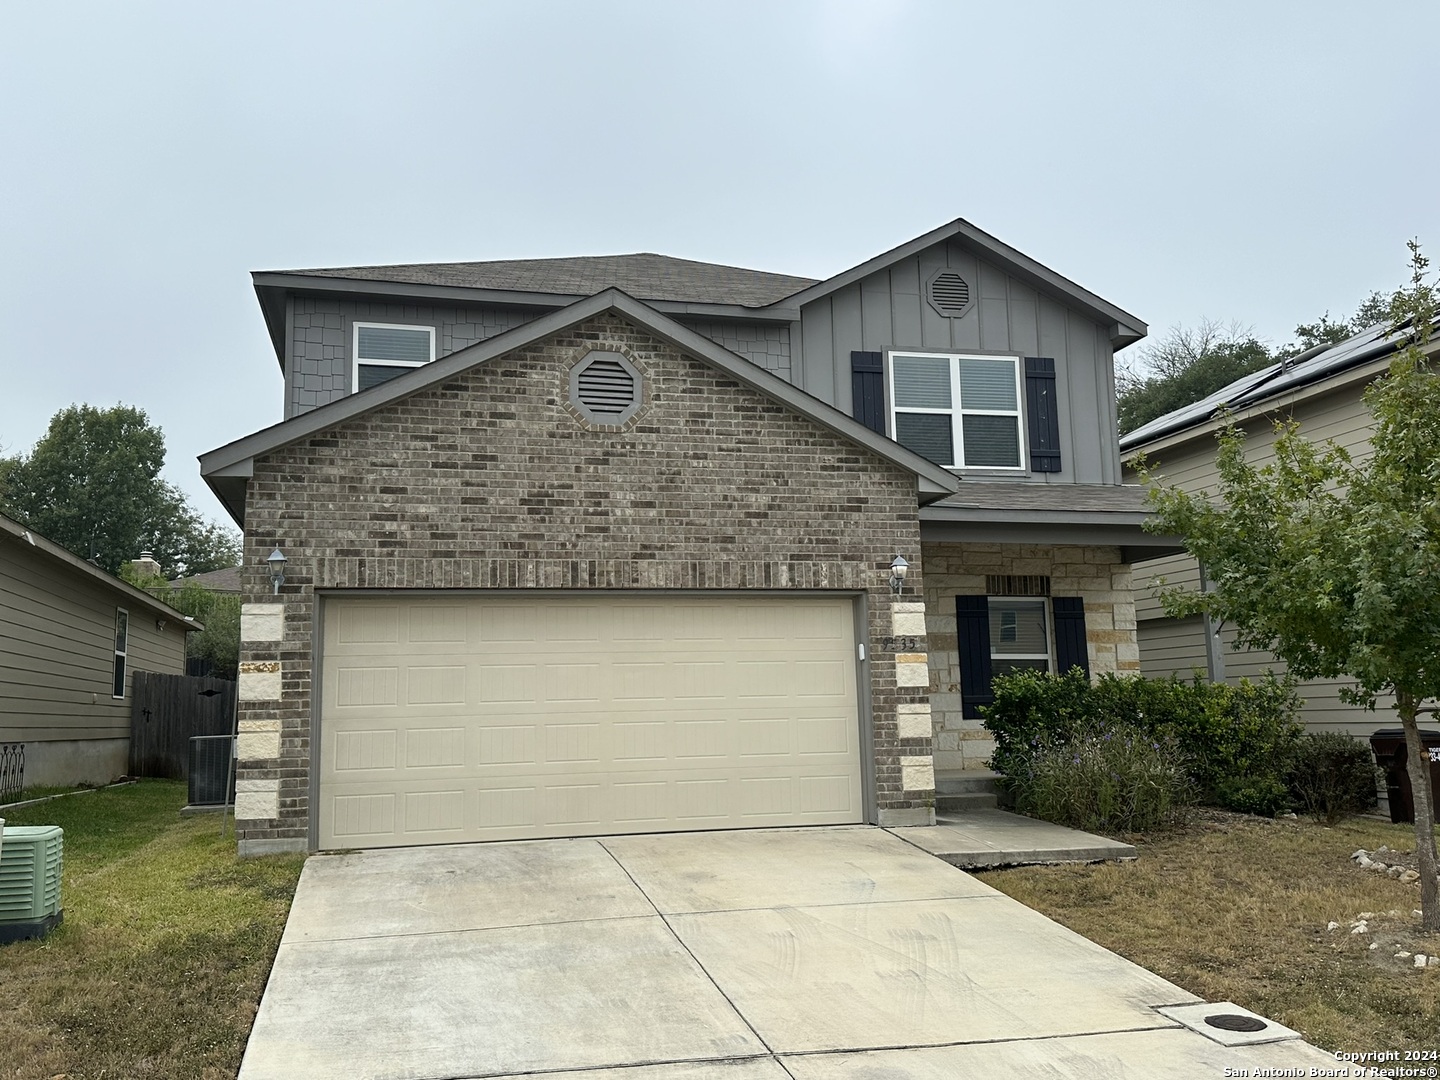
{"points": [[449, 719]]}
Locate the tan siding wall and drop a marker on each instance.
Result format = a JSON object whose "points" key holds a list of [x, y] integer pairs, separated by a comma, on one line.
{"points": [[57, 651], [1172, 647], [1168, 646]]}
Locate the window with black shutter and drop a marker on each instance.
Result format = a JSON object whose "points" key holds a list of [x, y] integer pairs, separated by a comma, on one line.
{"points": [[1042, 412], [867, 389]]}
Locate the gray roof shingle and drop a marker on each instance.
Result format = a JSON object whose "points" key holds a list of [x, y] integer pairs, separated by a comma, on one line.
{"points": [[1063, 498], [644, 276]]}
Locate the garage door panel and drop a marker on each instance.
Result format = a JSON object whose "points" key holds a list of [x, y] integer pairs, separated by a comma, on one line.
{"points": [[474, 718]]}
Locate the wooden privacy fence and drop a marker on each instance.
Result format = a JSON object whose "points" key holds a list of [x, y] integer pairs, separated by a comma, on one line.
{"points": [[165, 711]]}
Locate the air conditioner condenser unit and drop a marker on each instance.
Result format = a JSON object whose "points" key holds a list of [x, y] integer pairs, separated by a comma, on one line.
{"points": [[31, 859]]}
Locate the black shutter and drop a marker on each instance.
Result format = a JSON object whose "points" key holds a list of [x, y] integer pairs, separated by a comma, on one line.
{"points": [[1070, 648], [1043, 412], [972, 621], [867, 389]]}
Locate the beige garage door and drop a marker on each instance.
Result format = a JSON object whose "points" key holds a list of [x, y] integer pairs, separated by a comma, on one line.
{"points": [[453, 719]]}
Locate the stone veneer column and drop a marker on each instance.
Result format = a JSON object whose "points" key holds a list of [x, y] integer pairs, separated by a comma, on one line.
{"points": [[912, 679], [259, 685]]}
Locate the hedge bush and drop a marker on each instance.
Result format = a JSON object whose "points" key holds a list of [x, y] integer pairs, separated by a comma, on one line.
{"points": [[1235, 741], [1107, 777], [1332, 774]]}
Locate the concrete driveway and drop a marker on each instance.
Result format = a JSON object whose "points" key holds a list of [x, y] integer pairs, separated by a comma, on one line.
{"points": [[812, 954]]}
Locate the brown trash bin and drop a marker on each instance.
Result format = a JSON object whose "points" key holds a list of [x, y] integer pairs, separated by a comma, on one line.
{"points": [[1391, 755]]}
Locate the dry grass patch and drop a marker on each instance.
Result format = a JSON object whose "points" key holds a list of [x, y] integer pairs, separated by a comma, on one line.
{"points": [[164, 951], [1236, 908]]}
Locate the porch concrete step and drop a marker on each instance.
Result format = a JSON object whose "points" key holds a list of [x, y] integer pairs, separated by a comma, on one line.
{"points": [[971, 789], [968, 800]]}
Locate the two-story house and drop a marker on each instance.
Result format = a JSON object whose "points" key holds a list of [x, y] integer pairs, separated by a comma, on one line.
{"points": [[634, 544]]}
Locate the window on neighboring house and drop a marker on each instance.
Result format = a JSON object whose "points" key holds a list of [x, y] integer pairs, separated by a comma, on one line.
{"points": [[1019, 635], [384, 350], [958, 410], [122, 641]]}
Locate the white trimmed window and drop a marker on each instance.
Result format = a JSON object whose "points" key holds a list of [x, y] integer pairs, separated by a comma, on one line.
{"points": [[122, 648], [959, 410], [385, 350], [1019, 635]]}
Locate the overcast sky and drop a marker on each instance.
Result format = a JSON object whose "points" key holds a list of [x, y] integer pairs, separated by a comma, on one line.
{"points": [[1258, 162]]}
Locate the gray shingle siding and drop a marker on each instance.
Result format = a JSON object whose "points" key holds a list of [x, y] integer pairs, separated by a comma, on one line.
{"points": [[764, 344], [321, 332]]}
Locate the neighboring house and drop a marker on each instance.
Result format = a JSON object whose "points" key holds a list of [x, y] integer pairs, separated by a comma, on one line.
{"points": [[1321, 389], [71, 639], [599, 545], [225, 581]]}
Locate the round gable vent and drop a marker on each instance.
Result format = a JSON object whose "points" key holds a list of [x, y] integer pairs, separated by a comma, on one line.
{"points": [[605, 388], [949, 294]]}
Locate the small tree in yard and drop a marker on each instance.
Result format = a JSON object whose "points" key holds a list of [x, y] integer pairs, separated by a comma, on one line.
{"points": [[1333, 566]]}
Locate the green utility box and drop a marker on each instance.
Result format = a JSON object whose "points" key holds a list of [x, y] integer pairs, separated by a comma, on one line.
{"points": [[31, 858]]}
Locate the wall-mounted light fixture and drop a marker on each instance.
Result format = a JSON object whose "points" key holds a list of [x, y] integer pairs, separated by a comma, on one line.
{"points": [[276, 562], [898, 569], [160, 625]]}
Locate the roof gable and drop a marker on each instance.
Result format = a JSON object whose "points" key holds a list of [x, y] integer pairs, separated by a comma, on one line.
{"points": [[1123, 328], [226, 468]]}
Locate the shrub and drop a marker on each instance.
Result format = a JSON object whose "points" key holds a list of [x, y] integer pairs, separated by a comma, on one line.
{"points": [[1331, 775], [1235, 740], [1105, 778], [1263, 795]]}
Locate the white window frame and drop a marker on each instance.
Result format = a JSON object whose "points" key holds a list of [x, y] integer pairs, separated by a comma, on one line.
{"points": [[957, 412], [120, 667], [357, 360], [1049, 655]]}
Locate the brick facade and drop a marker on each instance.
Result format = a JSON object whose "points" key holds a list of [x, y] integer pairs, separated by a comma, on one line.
{"points": [[1095, 574], [490, 481]]}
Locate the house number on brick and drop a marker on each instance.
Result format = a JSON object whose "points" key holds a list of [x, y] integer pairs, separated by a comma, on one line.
{"points": [[901, 644]]}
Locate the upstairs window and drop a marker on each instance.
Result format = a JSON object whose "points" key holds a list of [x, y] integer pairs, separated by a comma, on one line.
{"points": [[384, 350], [122, 648], [958, 410]]}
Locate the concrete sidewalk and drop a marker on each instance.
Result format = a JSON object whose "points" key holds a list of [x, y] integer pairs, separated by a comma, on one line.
{"points": [[815, 954], [982, 839]]}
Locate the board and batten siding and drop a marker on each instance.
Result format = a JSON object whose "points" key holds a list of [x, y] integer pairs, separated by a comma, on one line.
{"points": [[1172, 646], [888, 310], [57, 651]]}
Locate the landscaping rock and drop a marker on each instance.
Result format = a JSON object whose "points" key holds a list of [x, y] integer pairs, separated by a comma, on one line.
{"points": [[1332, 926], [1402, 955], [1409, 877], [1420, 960]]}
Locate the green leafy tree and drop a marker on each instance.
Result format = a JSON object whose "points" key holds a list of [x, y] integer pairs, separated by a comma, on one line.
{"points": [[1334, 566], [1373, 310], [1184, 367], [92, 484], [217, 613]]}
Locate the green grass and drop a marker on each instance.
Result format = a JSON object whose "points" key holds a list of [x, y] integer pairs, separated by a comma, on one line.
{"points": [[1236, 908], [41, 791], [164, 951]]}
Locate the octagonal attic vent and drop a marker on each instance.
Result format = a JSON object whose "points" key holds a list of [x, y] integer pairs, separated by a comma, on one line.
{"points": [[949, 294], [605, 387]]}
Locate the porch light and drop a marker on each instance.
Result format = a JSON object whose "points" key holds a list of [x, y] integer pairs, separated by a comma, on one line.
{"points": [[276, 562], [898, 569]]}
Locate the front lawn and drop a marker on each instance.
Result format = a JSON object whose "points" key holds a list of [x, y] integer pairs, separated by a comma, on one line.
{"points": [[1236, 908], [164, 951]]}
